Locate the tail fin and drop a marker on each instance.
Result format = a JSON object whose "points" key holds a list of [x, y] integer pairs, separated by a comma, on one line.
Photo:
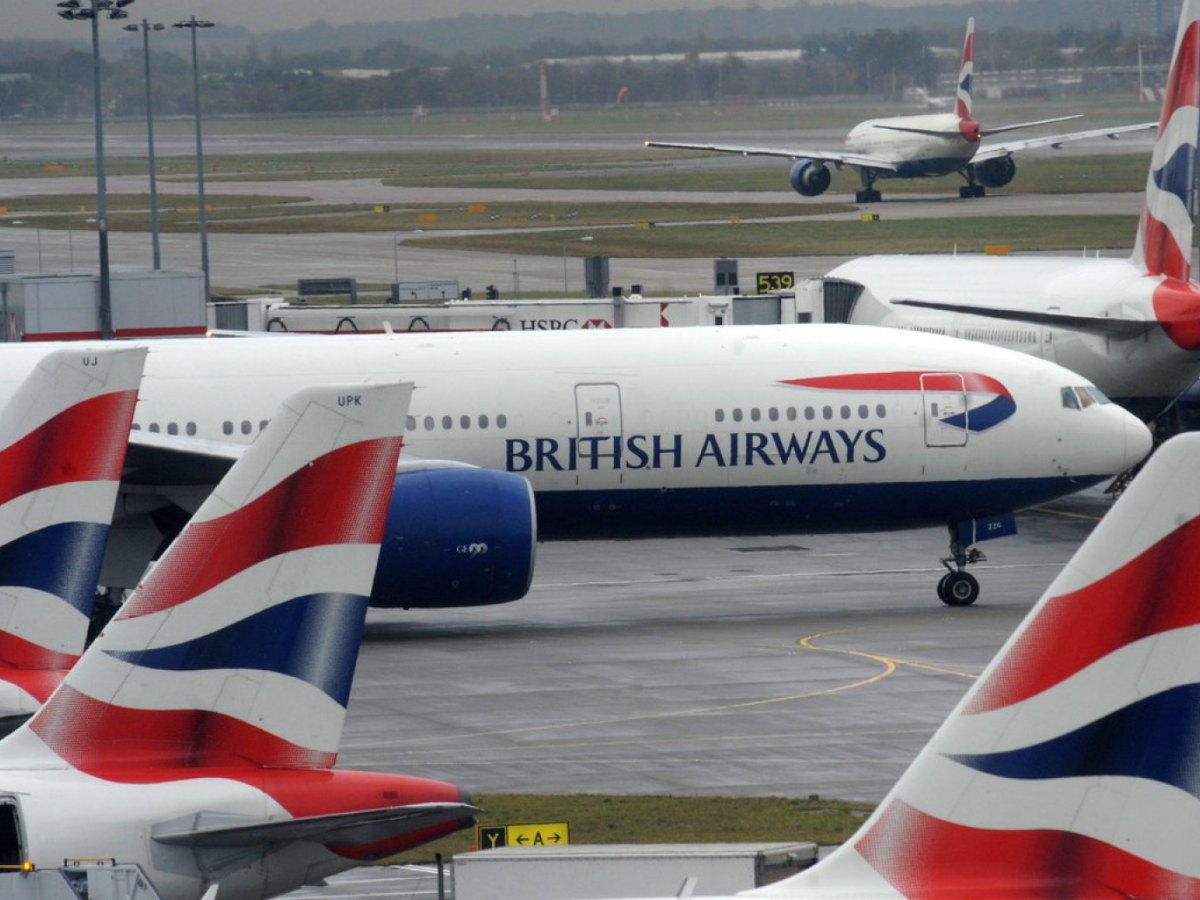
{"points": [[1072, 767], [966, 73], [1164, 238], [239, 648], [63, 436]]}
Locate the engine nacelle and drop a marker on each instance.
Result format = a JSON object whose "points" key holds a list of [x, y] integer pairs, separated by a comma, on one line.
{"points": [[809, 177], [455, 536], [996, 172]]}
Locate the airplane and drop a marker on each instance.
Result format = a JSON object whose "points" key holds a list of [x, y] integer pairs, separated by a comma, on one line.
{"points": [[928, 145], [1130, 326], [1068, 769], [644, 433], [196, 737], [63, 437]]}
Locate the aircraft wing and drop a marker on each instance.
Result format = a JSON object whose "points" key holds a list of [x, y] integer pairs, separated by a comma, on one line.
{"points": [[838, 158], [207, 830], [172, 460], [1104, 326], [993, 151]]}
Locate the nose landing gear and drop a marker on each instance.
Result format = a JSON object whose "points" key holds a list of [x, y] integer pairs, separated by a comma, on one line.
{"points": [[959, 587]]}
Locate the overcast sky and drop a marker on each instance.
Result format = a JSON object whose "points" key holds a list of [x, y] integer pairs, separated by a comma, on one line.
{"points": [[37, 18]]}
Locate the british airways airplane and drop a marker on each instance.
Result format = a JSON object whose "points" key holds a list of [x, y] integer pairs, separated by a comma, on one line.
{"points": [[196, 737], [918, 146], [1130, 326], [63, 437], [630, 433], [1069, 768]]}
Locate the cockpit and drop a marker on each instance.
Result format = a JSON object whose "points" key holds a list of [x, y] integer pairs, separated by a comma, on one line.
{"points": [[1083, 396]]}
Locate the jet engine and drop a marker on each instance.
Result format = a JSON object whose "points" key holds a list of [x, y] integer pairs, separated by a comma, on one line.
{"points": [[996, 172], [810, 177], [456, 535]]}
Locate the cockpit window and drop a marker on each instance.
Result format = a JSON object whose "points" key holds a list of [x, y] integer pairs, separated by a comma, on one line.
{"points": [[1083, 396]]}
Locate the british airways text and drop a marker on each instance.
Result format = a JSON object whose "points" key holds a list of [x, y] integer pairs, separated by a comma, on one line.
{"points": [[675, 451]]}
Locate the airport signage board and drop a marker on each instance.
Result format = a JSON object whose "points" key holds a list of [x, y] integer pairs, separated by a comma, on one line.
{"points": [[546, 834], [766, 282]]}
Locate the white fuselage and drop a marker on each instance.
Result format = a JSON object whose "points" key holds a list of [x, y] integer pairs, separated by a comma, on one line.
{"points": [[1144, 372], [65, 814], [681, 432], [914, 153]]}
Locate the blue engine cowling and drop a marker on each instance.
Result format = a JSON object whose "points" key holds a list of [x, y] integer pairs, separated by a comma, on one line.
{"points": [[455, 536], [809, 177]]}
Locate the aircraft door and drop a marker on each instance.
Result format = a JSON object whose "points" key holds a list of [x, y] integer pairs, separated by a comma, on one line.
{"points": [[944, 401], [598, 415], [12, 838]]}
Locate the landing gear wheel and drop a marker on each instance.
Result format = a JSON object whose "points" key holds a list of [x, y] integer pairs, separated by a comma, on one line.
{"points": [[958, 589], [941, 588], [868, 196], [968, 191]]}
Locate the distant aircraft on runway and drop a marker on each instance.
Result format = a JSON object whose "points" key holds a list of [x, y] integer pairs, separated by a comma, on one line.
{"points": [[196, 736], [63, 436], [656, 432], [1069, 768], [1130, 326], [918, 146]]}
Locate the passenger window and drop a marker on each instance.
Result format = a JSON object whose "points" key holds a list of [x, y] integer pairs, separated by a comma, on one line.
{"points": [[773, 414], [827, 412], [501, 421], [410, 423], [428, 423], [845, 412], [737, 415], [465, 423], [154, 427], [881, 411], [791, 414], [483, 421], [447, 423], [755, 415], [863, 412], [191, 429], [246, 426], [172, 428], [227, 427], [720, 415]]}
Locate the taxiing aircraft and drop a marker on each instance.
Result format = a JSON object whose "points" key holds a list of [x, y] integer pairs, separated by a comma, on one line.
{"points": [[1130, 326], [63, 437], [918, 146], [639, 432], [196, 736], [1068, 769]]}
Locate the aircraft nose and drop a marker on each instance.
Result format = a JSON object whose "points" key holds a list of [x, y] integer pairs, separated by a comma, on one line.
{"points": [[1138, 440]]}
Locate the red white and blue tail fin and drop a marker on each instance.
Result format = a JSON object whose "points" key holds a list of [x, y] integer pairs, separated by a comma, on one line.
{"points": [[1164, 239], [63, 436], [239, 648], [966, 74], [1072, 767]]}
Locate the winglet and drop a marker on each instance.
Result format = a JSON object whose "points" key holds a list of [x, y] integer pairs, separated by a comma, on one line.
{"points": [[239, 648], [1069, 768], [63, 436], [1164, 238]]}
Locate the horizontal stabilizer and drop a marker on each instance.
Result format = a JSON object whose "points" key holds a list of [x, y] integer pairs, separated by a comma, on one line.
{"points": [[1001, 129], [1104, 326], [353, 828]]}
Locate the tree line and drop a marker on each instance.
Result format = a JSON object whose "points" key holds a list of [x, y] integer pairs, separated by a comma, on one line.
{"points": [[50, 81]]}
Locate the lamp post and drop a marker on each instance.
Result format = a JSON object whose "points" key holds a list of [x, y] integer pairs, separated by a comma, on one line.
{"points": [[195, 24], [145, 28], [92, 10]]}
